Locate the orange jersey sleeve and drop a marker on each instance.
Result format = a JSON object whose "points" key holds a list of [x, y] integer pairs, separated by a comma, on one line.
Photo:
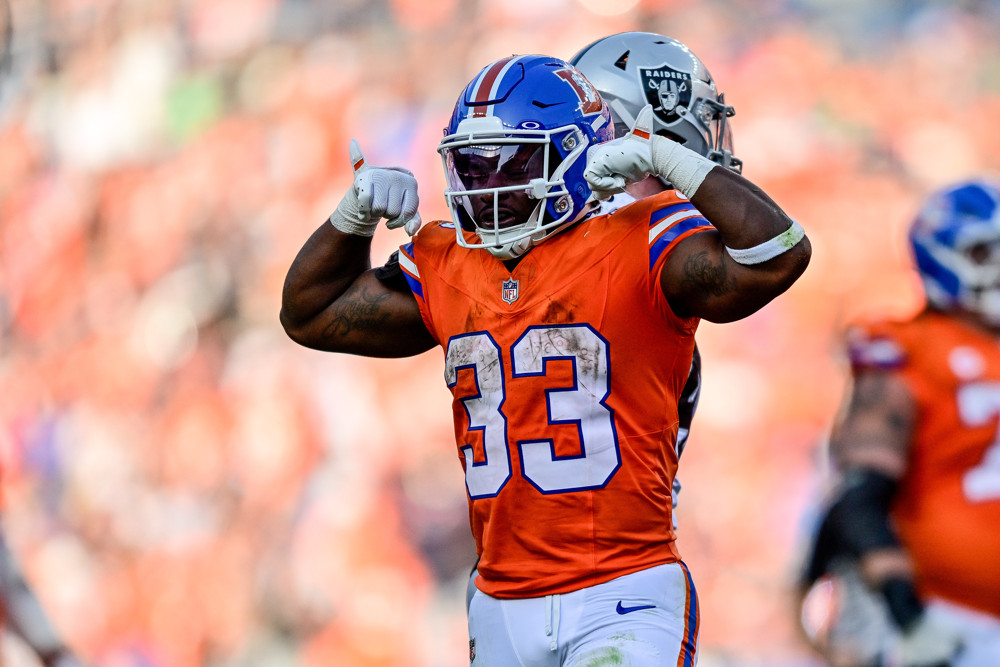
{"points": [[948, 507], [565, 376]]}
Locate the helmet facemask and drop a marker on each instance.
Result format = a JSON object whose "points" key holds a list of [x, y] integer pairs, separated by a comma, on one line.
{"points": [[975, 271], [713, 116], [508, 186]]}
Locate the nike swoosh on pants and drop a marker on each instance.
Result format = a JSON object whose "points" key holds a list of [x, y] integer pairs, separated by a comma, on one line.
{"points": [[628, 610]]}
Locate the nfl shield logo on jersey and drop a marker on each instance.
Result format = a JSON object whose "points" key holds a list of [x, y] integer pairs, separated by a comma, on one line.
{"points": [[472, 650], [508, 291], [666, 89]]}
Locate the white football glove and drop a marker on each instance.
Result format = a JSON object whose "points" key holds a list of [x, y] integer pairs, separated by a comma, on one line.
{"points": [[378, 192], [929, 642], [629, 159]]}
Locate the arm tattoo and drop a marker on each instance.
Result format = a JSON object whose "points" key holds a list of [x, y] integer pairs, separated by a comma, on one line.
{"points": [[357, 310], [701, 274]]}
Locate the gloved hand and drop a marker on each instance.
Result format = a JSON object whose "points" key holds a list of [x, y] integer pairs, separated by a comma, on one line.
{"points": [[378, 192], [929, 643], [628, 159]]}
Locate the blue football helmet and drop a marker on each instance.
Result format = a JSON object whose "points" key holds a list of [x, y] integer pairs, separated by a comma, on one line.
{"points": [[515, 150], [956, 244]]}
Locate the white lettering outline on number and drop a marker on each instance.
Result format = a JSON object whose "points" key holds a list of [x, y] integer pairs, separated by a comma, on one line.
{"points": [[486, 478], [544, 470], [594, 466]]}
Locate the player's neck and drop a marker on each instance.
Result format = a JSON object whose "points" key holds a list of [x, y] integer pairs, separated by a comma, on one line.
{"points": [[511, 264], [647, 187]]}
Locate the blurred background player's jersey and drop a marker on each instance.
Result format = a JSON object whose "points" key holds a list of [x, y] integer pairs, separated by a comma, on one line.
{"points": [[948, 507], [578, 344]]}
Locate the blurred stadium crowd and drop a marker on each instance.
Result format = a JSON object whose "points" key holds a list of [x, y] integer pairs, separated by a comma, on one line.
{"points": [[185, 486]]}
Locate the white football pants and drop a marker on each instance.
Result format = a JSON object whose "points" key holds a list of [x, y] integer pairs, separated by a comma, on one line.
{"points": [[644, 619]]}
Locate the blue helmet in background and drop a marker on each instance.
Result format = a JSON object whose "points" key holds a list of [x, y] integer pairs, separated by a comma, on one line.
{"points": [[515, 150], [956, 245]]}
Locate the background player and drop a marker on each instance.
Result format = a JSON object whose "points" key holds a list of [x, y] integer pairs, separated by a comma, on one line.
{"points": [[555, 446], [916, 517]]}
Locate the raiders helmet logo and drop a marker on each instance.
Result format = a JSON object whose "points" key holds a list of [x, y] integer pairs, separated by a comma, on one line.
{"points": [[666, 89]]}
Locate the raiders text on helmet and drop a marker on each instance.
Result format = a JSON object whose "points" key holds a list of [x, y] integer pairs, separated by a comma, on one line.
{"points": [[633, 69]]}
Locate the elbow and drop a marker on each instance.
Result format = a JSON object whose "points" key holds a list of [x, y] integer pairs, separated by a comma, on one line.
{"points": [[790, 267], [292, 329], [799, 258], [311, 333], [787, 267], [765, 282]]}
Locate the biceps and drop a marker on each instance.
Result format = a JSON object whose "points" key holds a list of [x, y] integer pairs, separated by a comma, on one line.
{"points": [[371, 319], [698, 280], [701, 279]]}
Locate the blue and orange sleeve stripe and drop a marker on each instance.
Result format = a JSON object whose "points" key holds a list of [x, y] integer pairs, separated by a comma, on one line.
{"points": [[670, 224], [410, 270]]}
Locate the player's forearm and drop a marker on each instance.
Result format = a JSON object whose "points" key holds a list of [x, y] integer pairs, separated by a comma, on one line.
{"points": [[326, 266], [763, 250], [744, 215]]}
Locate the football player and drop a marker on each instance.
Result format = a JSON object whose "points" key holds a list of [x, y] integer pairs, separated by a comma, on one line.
{"points": [[566, 339], [629, 70], [612, 64], [910, 542]]}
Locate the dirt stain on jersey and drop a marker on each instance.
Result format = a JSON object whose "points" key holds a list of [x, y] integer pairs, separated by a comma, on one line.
{"points": [[575, 342], [557, 313]]}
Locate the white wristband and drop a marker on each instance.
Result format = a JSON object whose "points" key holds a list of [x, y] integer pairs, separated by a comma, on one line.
{"points": [[347, 217], [682, 167], [770, 249]]}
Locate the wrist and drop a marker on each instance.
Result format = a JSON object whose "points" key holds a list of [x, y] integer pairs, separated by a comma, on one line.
{"points": [[682, 167], [347, 217]]}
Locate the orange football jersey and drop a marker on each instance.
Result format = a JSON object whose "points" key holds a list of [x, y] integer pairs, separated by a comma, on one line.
{"points": [[948, 507], [565, 376]]}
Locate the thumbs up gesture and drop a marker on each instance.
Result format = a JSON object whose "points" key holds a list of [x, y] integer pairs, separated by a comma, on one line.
{"points": [[627, 159], [377, 193]]}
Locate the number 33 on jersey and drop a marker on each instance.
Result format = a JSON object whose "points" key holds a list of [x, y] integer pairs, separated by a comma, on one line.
{"points": [[552, 411]]}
